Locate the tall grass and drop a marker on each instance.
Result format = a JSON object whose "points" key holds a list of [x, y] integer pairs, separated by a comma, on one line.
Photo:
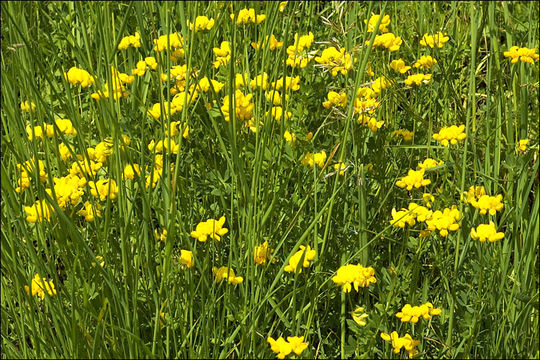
{"points": [[143, 303]]}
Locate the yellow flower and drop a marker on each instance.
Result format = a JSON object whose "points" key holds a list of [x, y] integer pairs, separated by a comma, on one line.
{"points": [[383, 26], [399, 65], [261, 253], [282, 5], [298, 54], [90, 211], [338, 61], [429, 163], [186, 258], [388, 41], [223, 54], [280, 347], [359, 316], [210, 228], [39, 211], [104, 188], [79, 76], [274, 43], [357, 275], [413, 313], [306, 253], [130, 40], [246, 16], [402, 342], [444, 221], [38, 287], [243, 106], [340, 167], [166, 42], [312, 159], [486, 203], [522, 147], [292, 83], [402, 217], [28, 106], [425, 62], [522, 54], [486, 232], [130, 171], [413, 179], [289, 137], [297, 344], [406, 134], [201, 23], [224, 273], [335, 99], [450, 135], [437, 40], [418, 79]]}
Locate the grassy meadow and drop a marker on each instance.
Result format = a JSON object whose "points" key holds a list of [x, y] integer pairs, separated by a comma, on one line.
{"points": [[269, 179]]}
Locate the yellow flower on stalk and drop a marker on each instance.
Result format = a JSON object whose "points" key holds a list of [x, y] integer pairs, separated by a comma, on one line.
{"points": [[429, 163], [425, 62], [39, 211], [522, 147], [413, 313], [277, 113], [223, 54], [444, 221], [340, 167], [243, 106], [130, 171], [335, 99], [224, 273], [486, 232], [289, 137], [149, 63], [169, 41], [201, 23], [261, 253], [79, 76], [104, 188], [522, 54], [39, 286], [437, 40], [246, 16], [486, 203], [337, 61], [28, 106], [383, 26], [402, 217], [186, 258], [388, 41], [210, 228], [451, 134], [38, 133], [306, 253], [274, 43], [398, 343], [359, 316], [428, 199], [418, 79], [90, 211], [399, 65], [282, 6], [130, 40], [354, 275], [413, 179], [292, 83], [406, 134], [298, 54], [68, 190], [283, 348], [311, 159]]}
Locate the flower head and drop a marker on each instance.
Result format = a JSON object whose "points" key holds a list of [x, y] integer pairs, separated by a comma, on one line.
{"points": [[306, 253], [39, 286], [486, 232], [210, 228], [224, 273]]}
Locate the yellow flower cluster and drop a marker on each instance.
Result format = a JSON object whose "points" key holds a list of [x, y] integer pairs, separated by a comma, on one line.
{"points": [[210, 228], [68, 190], [27, 169], [261, 253], [388, 41], [117, 88], [365, 103], [359, 316], [298, 54], [90, 211], [486, 232], [413, 179], [246, 16], [283, 348], [405, 342], [305, 253], [64, 125], [522, 147], [413, 313], [406, 134], [104, 188], [312, 159], [437, 40], [224, 273], [429, 163], [399, 65], [418, 79], [79, 76], [130, 40], [223, 54], [201, 23], [450, 135], [522, 54], [243, 106], [186, 258], [28, 106], [289, 137], [444, 221], [383, 26], [39, 286], [486, 203], [410, 215], [425, 62], [167, 42], [149, 62], [354, 275], [337, 61], [39, 211], [273, 45]]}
